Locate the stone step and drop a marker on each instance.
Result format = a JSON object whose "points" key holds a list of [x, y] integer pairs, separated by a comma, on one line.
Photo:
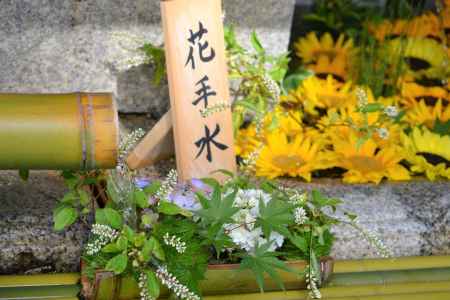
{"points": [[28, 243], [412, 219]]}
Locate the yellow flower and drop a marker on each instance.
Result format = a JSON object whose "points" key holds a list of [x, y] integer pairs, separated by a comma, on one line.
{"points": [[296, 157], [310, 48], [324, 56], [315, 93], [418, 113], [388, 29], [338, 68], [424, 57], [428, 153], [246, 141], [367, 163], [412, 90], [425, 26]]}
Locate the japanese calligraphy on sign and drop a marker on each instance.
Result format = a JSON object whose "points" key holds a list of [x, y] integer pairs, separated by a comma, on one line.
{"points": [[197, 72]]}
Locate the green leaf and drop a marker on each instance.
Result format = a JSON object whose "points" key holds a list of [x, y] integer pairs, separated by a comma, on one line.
{"points": [[69, 198], [113, 217], [24, 174], [140, 198], [64, 217], [122, 243], [84, 197], [372, 107], [442, 128], [117, 264], [172, 209], [300, 242], [263, 261], [157, 249], [153, 188], [256, 43], [276, 216], [293, 81], [128, 232], [318, 200], [152, 284], [139, 240], [111, 248], [148, 249], [219, 211]]}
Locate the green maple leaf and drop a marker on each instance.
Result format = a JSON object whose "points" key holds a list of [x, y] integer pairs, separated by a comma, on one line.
{"points": [[218, 209], [263, 261], [275, 216]]}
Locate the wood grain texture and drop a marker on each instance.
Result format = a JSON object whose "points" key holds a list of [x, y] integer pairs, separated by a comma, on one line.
{"points": [[181, 19]]}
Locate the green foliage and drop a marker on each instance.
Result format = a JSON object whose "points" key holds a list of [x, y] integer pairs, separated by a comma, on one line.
{"points": [[77, 201], [158, 59], [262, 261], [109, 216], [251, 70], [276, 216], [117, 264]]}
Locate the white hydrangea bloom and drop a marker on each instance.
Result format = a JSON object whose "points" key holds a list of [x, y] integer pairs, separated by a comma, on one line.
{"points": [[243, 232]]}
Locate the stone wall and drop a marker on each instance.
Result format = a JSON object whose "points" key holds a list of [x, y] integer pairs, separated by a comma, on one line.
{"points": [[71, 45]]}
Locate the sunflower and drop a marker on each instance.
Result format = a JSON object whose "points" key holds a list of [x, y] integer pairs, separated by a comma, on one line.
{"points": [[427, 25], [315, 94], [418, 113], [428, 152], [424, 57], [296, 156], [288, 120], [387, 29], [367, 163], [324, 56], [417, 92], [246, 141]]}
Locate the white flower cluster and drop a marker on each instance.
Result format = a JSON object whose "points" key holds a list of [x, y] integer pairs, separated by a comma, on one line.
{"points": [[243, 231], [174, 285], [126, 144], [296, 197], [361, 95], [383, 133], [273, 88], [311, 285], [373, 239], [300, 216], [175, 242], [216, 108], [103, 235], [168, 185], [143, 287], [391, 111]]}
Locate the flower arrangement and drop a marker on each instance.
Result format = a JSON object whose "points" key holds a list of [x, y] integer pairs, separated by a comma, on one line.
{"points": [[165, 233], [367, 104]]}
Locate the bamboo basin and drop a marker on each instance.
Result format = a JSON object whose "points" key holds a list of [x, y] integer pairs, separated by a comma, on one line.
{"points": [[76, 131]]}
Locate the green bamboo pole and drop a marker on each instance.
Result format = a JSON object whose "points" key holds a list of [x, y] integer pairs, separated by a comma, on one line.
{"points": [[58, 131], [427, 291], [42, 286], [403, 263], [39, 280], [390, 277]]}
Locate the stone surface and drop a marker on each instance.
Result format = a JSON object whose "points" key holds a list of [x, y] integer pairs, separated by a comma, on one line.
{"points": [[28, 243], [74, 45], [412, 218]]}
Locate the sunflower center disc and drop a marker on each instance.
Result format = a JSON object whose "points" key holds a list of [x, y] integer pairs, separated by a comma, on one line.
{"points": [[287, 162]]}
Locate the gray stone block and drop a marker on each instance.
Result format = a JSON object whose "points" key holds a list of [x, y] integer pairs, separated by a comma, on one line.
{"points": [[28, 242], [70, 45], [411, 218]]}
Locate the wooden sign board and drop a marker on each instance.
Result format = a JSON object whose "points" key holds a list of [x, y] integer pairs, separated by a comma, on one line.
{"points": [[197, 73]]}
